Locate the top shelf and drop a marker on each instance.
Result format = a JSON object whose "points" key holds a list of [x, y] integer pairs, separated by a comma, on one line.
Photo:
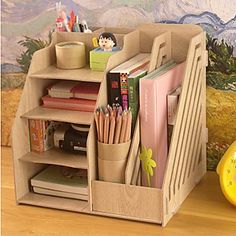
{"points": [[83, 74]]}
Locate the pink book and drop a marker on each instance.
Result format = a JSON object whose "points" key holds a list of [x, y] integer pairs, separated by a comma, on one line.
{"points": [[153, 117], [69, 103]]}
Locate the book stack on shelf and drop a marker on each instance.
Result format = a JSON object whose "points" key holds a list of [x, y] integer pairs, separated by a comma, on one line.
{"points": [[62, 182], [72, 95], [123, 83]]}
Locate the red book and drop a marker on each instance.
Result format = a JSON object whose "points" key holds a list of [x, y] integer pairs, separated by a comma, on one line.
{"points": [[74, 89], [86, 90], [69, 103]]}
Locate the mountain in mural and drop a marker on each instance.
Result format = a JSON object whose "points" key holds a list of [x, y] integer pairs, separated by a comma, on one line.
{"points": [[213, 25]]}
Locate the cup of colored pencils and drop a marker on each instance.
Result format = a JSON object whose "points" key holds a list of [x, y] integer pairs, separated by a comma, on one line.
{"points": [[114, 136]]}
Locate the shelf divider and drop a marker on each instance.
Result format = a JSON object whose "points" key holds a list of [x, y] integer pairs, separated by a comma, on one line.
{"points": [[53, 202], [82, 74], [76, 117], [57, 157]]}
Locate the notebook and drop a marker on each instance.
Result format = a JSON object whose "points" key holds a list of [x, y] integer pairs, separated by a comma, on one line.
{"points": [[58, 178], [153, 117], [60, 193]]}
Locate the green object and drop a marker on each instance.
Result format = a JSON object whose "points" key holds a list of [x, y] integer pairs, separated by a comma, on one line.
{"points": [[147, 162], [99, 59], [133, 93]]}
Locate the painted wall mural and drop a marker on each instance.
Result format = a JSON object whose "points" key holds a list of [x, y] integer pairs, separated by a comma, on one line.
{"points": [[35, 18]]}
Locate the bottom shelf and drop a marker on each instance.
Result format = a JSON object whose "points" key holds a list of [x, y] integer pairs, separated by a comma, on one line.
{"points": [[67, 204], [53, 202]]}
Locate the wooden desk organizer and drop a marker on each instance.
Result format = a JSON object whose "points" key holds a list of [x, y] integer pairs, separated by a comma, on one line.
{"points": [[187, 154]]}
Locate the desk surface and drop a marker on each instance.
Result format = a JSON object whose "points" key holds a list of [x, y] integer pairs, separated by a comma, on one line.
{"points": [[205, 212]]}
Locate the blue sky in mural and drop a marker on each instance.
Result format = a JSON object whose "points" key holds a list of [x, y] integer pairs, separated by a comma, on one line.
{"points": [[35, 18]]}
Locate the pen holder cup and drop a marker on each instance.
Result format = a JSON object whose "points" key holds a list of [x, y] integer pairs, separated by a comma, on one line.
{"points": [[112, 160], [70, 55]]}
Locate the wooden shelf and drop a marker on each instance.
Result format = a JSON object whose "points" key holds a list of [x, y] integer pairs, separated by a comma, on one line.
{"points": [[53, 202], [83, 74], [57, 157], [76, 117]]}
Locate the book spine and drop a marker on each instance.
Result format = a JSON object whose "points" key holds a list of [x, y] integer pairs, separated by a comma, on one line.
{"points": [[133, 100], [124, 90], [148, 117], [133, 93], [113, 89], [36, 135]]}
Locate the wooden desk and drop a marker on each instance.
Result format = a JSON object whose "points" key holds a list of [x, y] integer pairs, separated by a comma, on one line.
{"points": [[205, 212]]}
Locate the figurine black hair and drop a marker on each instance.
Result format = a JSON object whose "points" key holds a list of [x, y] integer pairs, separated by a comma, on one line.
{"points": [[107, 41]]}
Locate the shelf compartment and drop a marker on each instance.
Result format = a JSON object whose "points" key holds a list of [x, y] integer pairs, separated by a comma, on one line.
{"points": [[83, 74], [57, 157], [53, 202], [76, 117]]}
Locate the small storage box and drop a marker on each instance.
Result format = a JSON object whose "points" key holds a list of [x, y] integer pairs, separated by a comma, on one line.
{"points": [[99, 58]]}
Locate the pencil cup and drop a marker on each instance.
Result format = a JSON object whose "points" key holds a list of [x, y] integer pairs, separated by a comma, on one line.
{"points": [[70, 55], [112, 160]]}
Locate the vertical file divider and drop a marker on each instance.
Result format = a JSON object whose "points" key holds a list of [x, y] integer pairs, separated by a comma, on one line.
{"points": [[175, 189], [160, 54]]}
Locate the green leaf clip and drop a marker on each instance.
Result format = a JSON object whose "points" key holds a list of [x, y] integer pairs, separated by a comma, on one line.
{"points": [[147, 162]]}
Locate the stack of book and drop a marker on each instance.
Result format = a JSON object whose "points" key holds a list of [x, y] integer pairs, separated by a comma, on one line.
{"points": [[123, 83], [61, 182], [72, 95]]}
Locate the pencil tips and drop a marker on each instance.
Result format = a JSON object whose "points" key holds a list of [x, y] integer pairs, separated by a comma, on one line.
{"points": [[113, 124]]}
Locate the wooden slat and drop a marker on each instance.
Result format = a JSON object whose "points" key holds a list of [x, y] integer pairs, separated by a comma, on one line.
{"points": [[134, 148], [76, 117], [194, 140], [57, 157], [161, 49], [195, 111], [189, 126], [185, 97], [83, 74], [53, 202]]}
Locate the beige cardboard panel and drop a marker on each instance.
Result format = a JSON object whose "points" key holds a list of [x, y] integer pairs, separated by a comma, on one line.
{"points": [[127, 200], [133, 154]]}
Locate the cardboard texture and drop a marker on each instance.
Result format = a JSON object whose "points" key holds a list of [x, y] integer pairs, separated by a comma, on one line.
{"points": [[112, 159]]}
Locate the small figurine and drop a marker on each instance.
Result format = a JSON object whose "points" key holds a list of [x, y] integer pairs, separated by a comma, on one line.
{"points": [[107, 41], [61, 21]]}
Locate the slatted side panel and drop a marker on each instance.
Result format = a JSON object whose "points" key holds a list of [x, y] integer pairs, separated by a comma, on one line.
{"points": [[186, 156]]}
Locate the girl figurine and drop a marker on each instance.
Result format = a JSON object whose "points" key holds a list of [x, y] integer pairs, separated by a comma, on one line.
{"points": [[107, 41]]}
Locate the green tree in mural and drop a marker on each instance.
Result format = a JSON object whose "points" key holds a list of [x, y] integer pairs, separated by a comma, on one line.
{"points": [[31, 45], [221, 70]]}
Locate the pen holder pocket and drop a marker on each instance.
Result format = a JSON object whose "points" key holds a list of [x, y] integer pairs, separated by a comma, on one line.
{"points": [[70, 55], [112, 159]]}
